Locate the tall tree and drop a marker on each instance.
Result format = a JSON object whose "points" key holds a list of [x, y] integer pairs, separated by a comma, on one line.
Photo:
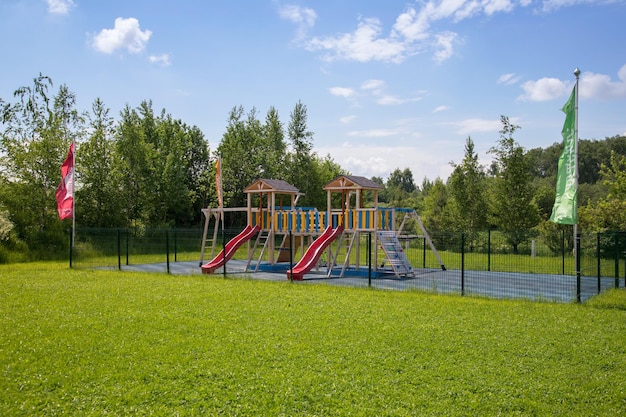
{"points": [[97, 202], [435, 207], [134, 168], [240, 161], [610, 212], [38, 129], [513, 210], [467, 188], [302, 173], [276, 148]]}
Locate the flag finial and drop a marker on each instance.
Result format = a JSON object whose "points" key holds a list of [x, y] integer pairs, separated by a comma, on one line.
{"points": [[576, 72]]}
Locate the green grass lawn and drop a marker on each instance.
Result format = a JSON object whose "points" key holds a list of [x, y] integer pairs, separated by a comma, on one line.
{"points": [[91, 343]]}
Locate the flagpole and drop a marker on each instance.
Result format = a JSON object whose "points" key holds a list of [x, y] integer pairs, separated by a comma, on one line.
{"points": [[576, 237]]}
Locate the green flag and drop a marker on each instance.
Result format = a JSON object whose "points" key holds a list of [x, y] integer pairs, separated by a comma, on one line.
{"points": [[566, 201]]}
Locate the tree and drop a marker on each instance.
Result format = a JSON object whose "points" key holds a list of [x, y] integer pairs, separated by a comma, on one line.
{"points": [[97, 202], [38, 131], [241, 163], [435, 211], [302, 173], [275, 146], [609, 213], [512, 208], [467, 189], [400, 188]]}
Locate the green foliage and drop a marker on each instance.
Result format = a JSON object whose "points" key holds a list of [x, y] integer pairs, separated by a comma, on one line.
{"points": [[610, 212], [38, 129], [512, 210], [613, 299], [467, 189], [118, 343], [435, 207]]}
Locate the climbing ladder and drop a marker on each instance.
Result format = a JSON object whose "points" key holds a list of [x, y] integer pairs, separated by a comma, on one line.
{"points": [[260, 243], [219, 218], [395, 254], [345, 241], [413, 215]]}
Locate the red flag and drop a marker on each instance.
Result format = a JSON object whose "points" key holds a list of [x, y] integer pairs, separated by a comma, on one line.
{"points": [[65, 190]]}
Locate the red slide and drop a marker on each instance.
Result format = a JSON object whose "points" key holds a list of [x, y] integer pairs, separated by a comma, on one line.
{"points": [[314, 252], [231, 247]]}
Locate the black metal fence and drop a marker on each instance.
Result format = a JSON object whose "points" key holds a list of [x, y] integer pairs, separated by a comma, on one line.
{"points": [[478, 263]]}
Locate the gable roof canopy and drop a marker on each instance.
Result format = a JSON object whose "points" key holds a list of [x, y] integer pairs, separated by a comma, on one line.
{"points": [[352, 182], [268, 186]]}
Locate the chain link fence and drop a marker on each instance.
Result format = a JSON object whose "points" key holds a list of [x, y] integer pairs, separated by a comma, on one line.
{"points": [[488, 263]]}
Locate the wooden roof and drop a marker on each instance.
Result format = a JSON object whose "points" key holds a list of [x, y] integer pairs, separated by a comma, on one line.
{"points": [[264, 185], [352, 182]]}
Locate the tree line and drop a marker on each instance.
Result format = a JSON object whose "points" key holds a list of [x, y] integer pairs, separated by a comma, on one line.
{"points": [[516, 193], [148, 169]]}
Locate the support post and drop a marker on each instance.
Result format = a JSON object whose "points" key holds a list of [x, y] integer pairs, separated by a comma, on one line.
{"points": [[119, 250], [488, 249], [369, 259], [598, 262], [71, 243], [577, 260], [167, 251], [462, 263]]}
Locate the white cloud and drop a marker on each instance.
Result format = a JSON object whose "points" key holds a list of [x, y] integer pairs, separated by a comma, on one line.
{"points": [[367, 160], [163, 59], [363, 45], [440, 108], [508, 79], [59, 6], [496, 6], [303, 17], [544, 89], [600, 86], [596, 86], [373, 85], [347, 119], [390, 100], [341, 92], [374, 133], [412, 31], [125, 34], [469, 126], [444, 43]]}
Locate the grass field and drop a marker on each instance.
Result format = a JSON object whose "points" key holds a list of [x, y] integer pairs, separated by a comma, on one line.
{"points": [[91, 343]]}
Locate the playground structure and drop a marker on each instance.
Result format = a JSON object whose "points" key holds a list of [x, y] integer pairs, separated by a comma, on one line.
{"points": [[276, 233]]}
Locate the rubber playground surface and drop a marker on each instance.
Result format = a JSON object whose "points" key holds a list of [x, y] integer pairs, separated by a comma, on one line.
{"points": [[543, 287]]}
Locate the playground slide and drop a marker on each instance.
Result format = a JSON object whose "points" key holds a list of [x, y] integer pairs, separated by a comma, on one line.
{"points": [[231, 247], [312, 255]]}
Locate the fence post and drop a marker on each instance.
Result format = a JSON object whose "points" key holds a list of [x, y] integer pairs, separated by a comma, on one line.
{"points": [[424, 253], [562, 252], [291, 255], [71, 244], [462, 263], [598, 262], [127, 240], [616, 241], [224, 250], [119, 250], [175, 245], [488, 249], [577, 261], [167, 250], [369, 259]]}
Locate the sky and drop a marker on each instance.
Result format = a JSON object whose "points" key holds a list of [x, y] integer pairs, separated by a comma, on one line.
{"points": [[387, 85]]}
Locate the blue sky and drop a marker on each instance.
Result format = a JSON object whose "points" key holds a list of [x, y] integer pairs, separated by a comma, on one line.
{"points": [[387, 84]]}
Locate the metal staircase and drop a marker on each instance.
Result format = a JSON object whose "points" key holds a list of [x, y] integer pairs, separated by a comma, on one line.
{"points": [[396, 257]]}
